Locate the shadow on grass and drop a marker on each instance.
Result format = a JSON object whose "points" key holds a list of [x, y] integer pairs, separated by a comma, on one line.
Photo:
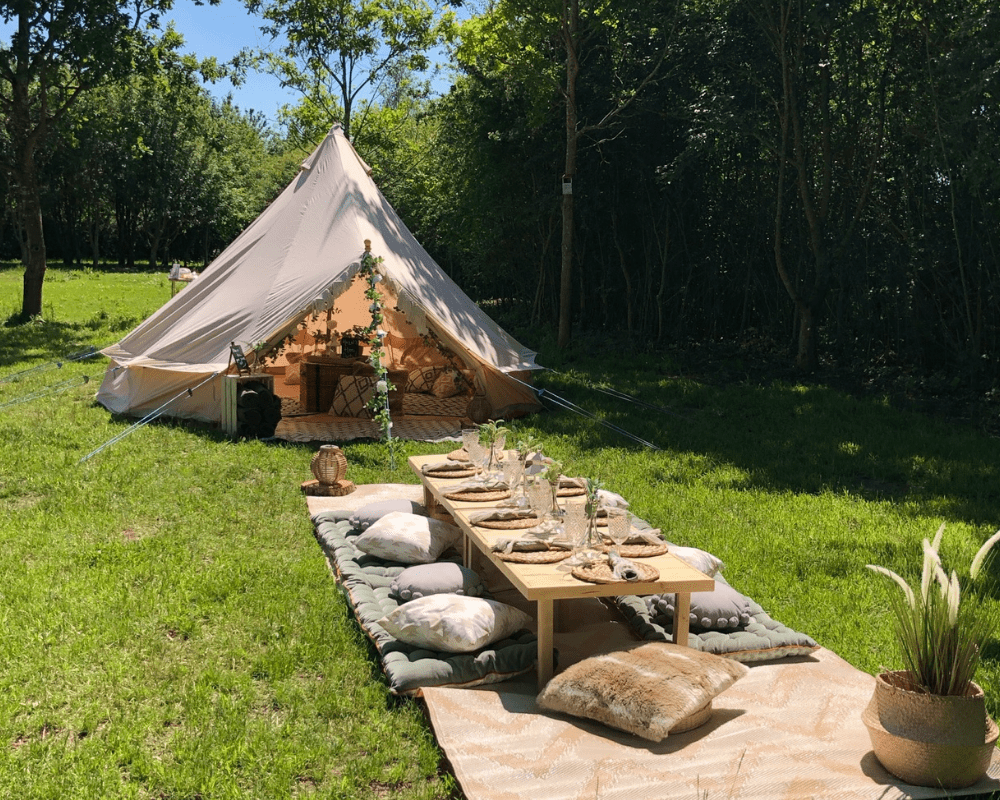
{"points": [[781, 437]]}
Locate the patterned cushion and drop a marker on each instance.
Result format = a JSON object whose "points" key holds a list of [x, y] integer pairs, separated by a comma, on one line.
{"points": [[453, 623], [646, 690], [352, 396], [408, 538], [421, 380]]}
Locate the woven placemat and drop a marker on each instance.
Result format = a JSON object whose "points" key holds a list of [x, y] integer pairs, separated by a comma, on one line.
{"points": [[478, 497], [570, 491], [458, 455], [513, 524], [638, 550], [535, 556], [452, 473], [601, 573]]}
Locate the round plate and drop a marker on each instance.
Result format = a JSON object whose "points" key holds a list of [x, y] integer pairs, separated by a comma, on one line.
{"points": [[638, 550], [601, 573], [452, 473], [535, 556], [478, 497], [514, 524]]}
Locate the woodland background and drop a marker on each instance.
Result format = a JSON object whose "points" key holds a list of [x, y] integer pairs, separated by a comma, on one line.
{"points": [[816, 183]]}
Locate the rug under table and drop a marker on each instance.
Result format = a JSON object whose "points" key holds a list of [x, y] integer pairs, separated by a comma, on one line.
{"points": [[789, 730]]}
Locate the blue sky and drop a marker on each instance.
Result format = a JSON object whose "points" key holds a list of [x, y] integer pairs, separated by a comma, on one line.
{"points": [[222, 31]]}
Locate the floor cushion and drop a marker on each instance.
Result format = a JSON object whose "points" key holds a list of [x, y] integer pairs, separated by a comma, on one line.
{"points": [[366, 584], [762, 639]]}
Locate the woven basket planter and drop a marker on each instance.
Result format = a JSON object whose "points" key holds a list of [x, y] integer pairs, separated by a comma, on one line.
{"points": [[926, 739]]}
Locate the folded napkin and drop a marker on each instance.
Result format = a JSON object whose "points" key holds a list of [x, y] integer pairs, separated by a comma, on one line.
{"points": [[651, 536], [611, 499], [488, 485], [500, 514], [528, 543], [446, 466], [622, 568]]}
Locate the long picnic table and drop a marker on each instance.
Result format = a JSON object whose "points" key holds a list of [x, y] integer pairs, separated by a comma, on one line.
{"points": [[543, 584]]}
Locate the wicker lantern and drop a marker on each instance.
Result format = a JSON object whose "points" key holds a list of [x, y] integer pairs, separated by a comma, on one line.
{"points": [[329, 465]]}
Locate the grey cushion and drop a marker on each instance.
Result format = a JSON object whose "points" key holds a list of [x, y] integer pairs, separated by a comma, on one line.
{"points": [[722, 609], [445, 577], [365, 582], [763, 638], [367, 515]]}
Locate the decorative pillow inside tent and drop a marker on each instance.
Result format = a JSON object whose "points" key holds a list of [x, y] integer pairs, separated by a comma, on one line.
{"points": [[722, 609], [444, 577], [453, 623], [448, 384], [352, 396], [421, 379], [367, 515], [408, 538], [648, 689]]}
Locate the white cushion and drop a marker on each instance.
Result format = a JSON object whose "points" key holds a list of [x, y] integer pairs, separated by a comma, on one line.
{"points": [[408, 538], [453, 623], [699, 559], [647, 689]]}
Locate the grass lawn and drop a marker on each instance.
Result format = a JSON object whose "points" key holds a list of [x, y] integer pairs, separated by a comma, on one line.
{"points": [[170, 629]]}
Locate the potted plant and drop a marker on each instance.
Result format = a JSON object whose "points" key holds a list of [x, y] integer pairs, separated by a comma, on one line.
{"points": [[928, 723]]}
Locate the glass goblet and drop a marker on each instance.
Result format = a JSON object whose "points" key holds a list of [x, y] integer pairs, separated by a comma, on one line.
{"points": [[619, 527], [477, 454], [512, 474], [540, 498], [575, 523]]}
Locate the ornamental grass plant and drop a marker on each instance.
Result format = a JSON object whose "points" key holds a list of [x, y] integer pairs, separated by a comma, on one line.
{"points": [[940, 638]]}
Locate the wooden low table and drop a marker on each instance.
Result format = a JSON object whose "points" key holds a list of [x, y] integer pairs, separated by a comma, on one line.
{"points": [[543, 584]]}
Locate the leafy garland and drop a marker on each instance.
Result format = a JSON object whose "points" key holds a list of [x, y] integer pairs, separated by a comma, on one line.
{"points": [[379, 402]]}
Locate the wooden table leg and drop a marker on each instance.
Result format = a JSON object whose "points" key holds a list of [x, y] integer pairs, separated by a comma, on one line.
{"points": [[682, 617], [545, 627]]}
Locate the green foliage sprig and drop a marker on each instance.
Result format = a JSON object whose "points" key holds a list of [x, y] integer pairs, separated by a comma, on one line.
{"points": [[940, 639], [379, 402]]}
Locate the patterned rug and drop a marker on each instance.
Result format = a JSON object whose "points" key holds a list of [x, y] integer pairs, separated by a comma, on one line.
{"points": [[324, 428]]}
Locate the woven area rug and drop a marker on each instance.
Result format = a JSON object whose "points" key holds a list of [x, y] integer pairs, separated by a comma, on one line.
{"points": [[789, 730], [324, 428]]}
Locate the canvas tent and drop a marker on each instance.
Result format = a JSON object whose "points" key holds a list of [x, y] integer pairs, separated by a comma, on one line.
{"points": [[297, 261]]}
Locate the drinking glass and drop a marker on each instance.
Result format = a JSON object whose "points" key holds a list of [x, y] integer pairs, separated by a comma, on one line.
{"points": [[540, 498], [477, 454], [513, 471], [575, 524], [469, 436], [619, 527]]}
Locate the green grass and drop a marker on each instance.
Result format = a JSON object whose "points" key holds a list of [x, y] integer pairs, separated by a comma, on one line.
{"points": [[170, 629]]}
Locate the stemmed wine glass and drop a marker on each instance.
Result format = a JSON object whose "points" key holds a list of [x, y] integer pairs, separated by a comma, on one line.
{"points": [[540, 498], [619, 526]]}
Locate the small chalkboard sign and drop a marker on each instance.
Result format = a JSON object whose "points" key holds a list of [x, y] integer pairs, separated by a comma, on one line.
{"points": [[239, 359], [350, 347]]}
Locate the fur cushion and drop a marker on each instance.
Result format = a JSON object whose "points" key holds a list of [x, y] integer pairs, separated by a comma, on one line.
{"points": [[646, 690], [448, 384]]}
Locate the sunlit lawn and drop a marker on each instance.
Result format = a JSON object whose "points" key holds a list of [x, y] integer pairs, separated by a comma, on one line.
{"points": [[171, 630]]}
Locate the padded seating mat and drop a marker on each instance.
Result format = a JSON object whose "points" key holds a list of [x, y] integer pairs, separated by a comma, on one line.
{"points": [[763, 639], [365, 582]]}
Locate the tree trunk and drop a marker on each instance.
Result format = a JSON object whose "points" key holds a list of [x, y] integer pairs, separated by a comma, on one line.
{"points": [[571, 16], [34, 236]]}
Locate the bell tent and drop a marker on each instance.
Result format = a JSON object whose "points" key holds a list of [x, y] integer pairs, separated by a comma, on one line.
{"points": [[287, 284]]}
